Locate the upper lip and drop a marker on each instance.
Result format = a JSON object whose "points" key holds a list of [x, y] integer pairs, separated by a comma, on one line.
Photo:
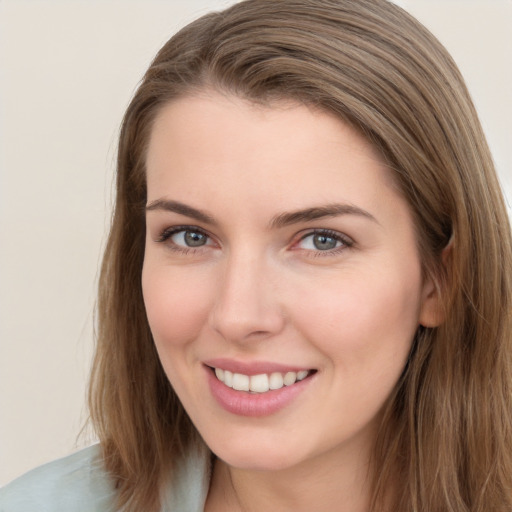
{"points": [[252, 367]]}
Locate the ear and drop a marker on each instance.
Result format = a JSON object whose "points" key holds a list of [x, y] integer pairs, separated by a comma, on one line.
{"points": [[432, 313]]}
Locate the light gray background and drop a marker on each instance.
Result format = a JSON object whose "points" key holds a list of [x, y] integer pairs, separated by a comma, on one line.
{"points": [[67, 72]]}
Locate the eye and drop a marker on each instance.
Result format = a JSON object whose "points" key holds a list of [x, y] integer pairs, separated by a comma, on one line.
{"points": [[189, 238], [184, 238], [323, 241]]}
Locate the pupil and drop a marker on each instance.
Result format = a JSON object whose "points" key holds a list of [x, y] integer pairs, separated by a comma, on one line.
{"points": [[324, 242], [194, 239]]}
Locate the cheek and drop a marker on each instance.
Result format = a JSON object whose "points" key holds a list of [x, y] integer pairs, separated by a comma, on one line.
{"points": [[357, 321], [176, 306]]}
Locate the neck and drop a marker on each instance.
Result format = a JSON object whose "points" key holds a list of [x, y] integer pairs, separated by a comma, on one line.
{"points": [[324, 484]]}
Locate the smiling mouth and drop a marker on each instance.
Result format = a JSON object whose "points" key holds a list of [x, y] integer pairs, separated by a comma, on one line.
{"points": [[261, 383]]}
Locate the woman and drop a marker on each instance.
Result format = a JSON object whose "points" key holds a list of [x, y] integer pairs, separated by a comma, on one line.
{"points": [[305, 297]]}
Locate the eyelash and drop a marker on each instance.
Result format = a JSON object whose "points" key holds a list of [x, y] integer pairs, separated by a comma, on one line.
{"points": [[167, 233], [345, 241]]}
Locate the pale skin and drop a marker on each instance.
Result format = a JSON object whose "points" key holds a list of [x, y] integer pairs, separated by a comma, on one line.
{"points": [[275, 234]]}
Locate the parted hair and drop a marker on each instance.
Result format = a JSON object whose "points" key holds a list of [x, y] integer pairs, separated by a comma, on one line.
{"points": [[445, 441]]}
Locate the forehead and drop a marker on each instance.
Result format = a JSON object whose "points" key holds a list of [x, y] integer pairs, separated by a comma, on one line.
{"points": [[284, 151], [212, 117]]}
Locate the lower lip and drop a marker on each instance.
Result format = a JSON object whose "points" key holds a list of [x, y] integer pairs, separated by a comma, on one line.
{"points": [[243, 403]]}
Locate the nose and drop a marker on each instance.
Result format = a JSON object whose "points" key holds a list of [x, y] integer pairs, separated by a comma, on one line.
{"points": [[247, 306]]}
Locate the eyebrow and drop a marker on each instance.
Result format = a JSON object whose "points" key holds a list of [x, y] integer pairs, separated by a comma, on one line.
{"points": [[279, 221], [182, 209], [319, 212]]}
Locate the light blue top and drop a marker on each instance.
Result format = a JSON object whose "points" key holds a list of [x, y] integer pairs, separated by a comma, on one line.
{"points": [[79, 483]]}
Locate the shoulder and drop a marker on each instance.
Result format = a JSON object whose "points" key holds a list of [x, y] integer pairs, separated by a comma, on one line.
{"points": [[188, 487], [75, 483]]}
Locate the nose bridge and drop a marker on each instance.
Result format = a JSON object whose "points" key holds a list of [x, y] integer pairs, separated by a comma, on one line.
{"points": [[247, 304]]}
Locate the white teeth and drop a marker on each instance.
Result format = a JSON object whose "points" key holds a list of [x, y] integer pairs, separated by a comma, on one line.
{"points": [[228, 378], [290, 378], [276, 381], [240, 382], [259, 383], [220, 374]]}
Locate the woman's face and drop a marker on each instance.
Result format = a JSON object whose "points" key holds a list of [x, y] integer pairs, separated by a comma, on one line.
{"points": [[279, 253]]}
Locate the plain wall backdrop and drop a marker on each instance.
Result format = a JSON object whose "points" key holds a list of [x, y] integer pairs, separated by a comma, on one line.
{"points": [[67, 72]]}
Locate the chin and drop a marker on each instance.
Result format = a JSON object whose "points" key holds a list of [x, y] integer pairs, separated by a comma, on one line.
{"points": [[257, 456], [258, 461]]}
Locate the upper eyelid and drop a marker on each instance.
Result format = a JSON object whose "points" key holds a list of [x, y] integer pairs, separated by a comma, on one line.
{"points": [[165, 234], [168, 232], [329, 232]]}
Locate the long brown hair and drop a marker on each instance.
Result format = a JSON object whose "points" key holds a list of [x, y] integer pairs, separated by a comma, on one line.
{"points": [[446, 436]]}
